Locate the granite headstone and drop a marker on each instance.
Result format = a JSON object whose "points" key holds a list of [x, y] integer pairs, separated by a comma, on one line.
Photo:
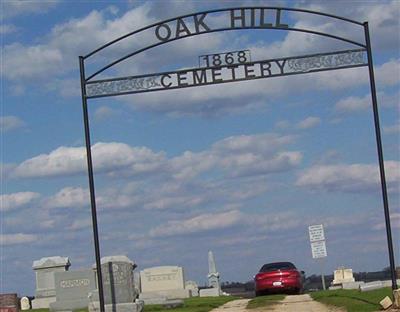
{"points": [[118, 285], [45, 269], [72, 289]]}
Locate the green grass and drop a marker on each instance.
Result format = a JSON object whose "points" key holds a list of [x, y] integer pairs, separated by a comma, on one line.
{"points": [[197, 304], [47, 310], [353, 300], [263, 301]]}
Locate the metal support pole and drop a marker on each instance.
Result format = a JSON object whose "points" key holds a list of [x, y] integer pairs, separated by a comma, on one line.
{"points": [[380, 158], [91, 185]]}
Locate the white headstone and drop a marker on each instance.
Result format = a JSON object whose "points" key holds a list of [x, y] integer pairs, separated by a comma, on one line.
{"points": [[25, 303], [342, 275], [193, 287], [162, 278], [162, 284]]}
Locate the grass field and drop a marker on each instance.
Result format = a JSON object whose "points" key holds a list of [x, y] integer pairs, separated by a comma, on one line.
{"points": [[190, 305], [47, 310], [353, 300], [264, 301], [194, 304]]}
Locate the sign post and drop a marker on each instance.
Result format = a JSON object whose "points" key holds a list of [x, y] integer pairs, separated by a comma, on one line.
{"points": [[318, 246]]}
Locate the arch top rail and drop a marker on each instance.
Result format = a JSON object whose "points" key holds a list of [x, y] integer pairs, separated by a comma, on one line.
{"points": [[203, 13]]}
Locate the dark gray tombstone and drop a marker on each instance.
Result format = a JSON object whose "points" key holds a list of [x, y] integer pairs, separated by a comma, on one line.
{"points": [[73, 289], [118, 286]]}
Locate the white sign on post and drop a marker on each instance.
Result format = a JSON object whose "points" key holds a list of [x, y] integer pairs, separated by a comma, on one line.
{"points": [[316, 232], [318, 249], [317, 239]]}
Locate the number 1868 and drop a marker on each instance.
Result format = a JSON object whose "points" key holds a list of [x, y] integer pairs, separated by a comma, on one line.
{"points": [[228, 58]]}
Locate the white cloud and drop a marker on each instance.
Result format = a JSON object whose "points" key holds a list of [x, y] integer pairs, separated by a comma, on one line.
{"points": [[104, 112], [237, 156], [394, 129], [7, 29], [309, 122], [350, 178], [200, 223], [21, 7], [69, 197], [17, 200], [31, 62], [57, 54], [80, 224], [9, 123], [382, 16], [183, 195], [77, 197], [106, 157], [394, 219], [18, 238], [354, 103], [388, 74], [282, 124], [65, 87]]}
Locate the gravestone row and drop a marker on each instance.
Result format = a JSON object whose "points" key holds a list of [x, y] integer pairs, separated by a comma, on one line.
{"points": [[60, 289]]}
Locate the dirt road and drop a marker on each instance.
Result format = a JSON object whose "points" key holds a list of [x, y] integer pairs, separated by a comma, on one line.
{"points": [[233, 306], [300, 303]]}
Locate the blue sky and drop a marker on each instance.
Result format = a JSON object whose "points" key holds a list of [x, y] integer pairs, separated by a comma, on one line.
{"points": [[242, 169]]}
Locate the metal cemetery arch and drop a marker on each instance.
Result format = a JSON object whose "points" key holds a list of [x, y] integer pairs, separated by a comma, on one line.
{"points": [[237, 19]]}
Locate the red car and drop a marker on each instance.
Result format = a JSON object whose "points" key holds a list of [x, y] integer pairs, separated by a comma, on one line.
{"points": [[279, 277]]}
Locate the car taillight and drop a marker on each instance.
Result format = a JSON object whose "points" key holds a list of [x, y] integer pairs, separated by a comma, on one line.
{"points": [[259, 277], [294, 274]]}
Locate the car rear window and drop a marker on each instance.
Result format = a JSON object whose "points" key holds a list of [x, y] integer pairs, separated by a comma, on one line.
{"points": [[277, 266]]}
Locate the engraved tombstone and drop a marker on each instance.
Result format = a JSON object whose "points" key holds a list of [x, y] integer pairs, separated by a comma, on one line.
{"points": [[343, 275], [72, 289], [163, 283], [25, 303], [118, 285], [45, 269], [193, 288]]}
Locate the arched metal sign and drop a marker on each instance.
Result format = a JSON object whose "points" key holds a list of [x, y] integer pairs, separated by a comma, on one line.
{"points": [[232, 66]]}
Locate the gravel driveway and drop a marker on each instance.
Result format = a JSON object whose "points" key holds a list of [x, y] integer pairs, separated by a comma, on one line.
{"points": [[299, 303]]}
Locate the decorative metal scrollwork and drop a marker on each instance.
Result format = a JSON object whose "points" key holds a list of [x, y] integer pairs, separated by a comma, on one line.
{"points": [[326, 61], [124, 85]]}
